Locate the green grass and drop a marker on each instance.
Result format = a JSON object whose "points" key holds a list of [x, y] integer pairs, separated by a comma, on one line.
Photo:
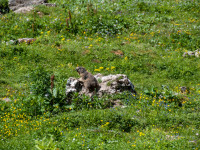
{"points": [[153, 35]]}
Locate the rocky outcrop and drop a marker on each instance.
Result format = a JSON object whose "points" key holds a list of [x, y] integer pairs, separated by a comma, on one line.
{"points": [[110, 84], [24, 6], [24, 9]]}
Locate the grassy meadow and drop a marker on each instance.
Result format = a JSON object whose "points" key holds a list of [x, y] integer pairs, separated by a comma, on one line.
{"points": [[143, 39]]}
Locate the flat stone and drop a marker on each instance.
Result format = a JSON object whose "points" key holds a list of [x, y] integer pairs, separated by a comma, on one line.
{"points": [[5, 99], [26, 40], [195, 53]]}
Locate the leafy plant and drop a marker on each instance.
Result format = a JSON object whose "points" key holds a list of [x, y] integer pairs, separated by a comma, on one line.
{"points": [[153, 92], [85, 102], [4, 107], [165, 94], [45, 96], [39, 81], [47, 143]]}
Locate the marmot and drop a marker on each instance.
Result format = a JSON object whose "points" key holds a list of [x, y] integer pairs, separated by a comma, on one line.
{"points": [[89, 81]]}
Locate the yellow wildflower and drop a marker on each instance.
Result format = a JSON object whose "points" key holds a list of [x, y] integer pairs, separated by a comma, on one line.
{"points": [[96, 69], [112, 67]]}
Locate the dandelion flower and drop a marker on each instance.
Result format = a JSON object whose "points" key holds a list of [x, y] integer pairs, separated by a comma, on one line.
{"points": [[96, 69], [112, 67]]}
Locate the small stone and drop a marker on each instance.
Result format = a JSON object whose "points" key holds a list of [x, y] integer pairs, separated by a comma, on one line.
{"points": [[5, 99], [12, 42], [195, 53], [123, 43], [118, 52], [26, 40], [40, 13], [192, 141], [185, 90], [96, 61], [86, 52], [116, 103]]}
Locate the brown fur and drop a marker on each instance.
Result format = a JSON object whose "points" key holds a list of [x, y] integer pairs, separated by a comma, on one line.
{"points": [[89, 81]]}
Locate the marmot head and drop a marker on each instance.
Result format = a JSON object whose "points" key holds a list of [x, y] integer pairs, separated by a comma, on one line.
{"points": [[80, 70]]}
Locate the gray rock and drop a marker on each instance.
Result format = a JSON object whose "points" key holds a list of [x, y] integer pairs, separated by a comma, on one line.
{"points": [[25, 2], [189, 53], [72, 86], [5, 99], [12, 3], [24, 6], [21, 40], [195, 53], [185, 90], [110, 84], [12, 42], [26, 40], [24, 9]]}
